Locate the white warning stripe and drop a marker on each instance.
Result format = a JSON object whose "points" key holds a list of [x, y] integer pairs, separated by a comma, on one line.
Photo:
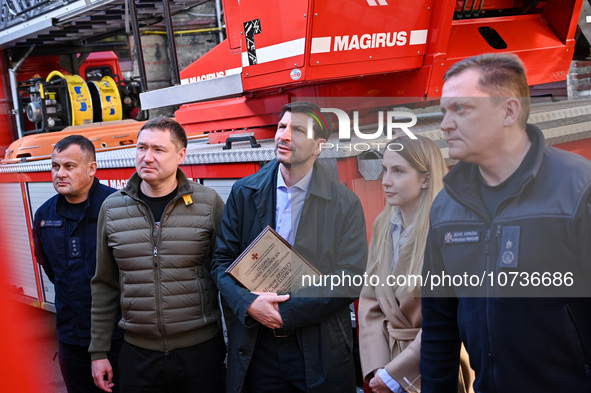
{"points": [[323, 44], [418, 37], [372, 3], [214, 75], [320, 44], [280, 51], [233, 71], [382, 2]]}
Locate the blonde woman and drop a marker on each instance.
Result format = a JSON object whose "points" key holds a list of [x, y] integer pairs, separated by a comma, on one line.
{"points": [[390, 314]]}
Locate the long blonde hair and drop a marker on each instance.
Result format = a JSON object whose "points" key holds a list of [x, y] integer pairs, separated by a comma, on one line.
{"points": [[423, 155]]}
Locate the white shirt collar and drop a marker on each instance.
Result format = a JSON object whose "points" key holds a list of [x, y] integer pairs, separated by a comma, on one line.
{"points": [[303, 184]]}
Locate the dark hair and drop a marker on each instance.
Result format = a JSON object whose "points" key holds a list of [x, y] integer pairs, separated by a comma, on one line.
{"points": [[178, 136], [321, 125], [85, 144], [501, 75]]}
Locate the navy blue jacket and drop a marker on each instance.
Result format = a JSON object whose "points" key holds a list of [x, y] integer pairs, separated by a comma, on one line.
{"points": [[66, 248], [331, 235], [522, 334]]}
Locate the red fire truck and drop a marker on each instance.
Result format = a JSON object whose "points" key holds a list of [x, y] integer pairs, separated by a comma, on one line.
{"points": [[364, 57]]}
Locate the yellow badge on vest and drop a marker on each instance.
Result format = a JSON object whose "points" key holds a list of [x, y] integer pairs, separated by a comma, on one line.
{"points": [[188, 200]]}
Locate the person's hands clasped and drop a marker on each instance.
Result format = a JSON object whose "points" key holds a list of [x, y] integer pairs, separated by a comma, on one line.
{"points": [[265, 309]]}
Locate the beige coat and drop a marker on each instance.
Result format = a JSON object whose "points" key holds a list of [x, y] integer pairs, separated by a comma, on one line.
{"points": [[390, 333]]}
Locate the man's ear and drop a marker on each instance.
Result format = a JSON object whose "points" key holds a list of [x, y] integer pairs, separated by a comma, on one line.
{"points": [[92, 168], [182, 155], [319, 143], [512, 111]]}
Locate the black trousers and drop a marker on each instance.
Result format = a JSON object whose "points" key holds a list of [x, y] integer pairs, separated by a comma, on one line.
{"points": [[75, 365], [277, 365], [199, 368]]}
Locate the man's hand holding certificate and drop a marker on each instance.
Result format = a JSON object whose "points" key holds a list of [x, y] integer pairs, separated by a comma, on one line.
{"points": [[265, 309], [270, 265]]}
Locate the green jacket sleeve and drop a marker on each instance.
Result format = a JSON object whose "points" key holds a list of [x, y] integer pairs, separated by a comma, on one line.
{"points": [[105, 290]]}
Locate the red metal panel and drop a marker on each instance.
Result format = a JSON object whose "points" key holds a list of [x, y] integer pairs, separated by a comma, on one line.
{"points": [[405, 83], [39, 67], [231, 114], [219, 61], [36, 176], [546, 58], [101, 59], [348, 171], [10, 178], [581, 147], [278, 80], [521, 33], [259, 111], [221, 171], [562, 17], [116, 178], [282, 35], [27, 177], [259, 133], [381, 66], [283, 66], [363, 31], [409, 84], [373, 200], [233, 22], [441, 20]]}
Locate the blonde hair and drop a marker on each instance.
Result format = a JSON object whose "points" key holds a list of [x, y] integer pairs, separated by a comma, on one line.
{"points": [[423, 155]]}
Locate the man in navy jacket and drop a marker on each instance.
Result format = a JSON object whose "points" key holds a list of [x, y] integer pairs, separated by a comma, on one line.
{"points": [[509, 244], [64, 233]]}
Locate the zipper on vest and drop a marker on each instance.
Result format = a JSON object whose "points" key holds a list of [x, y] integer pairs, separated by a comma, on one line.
{"points": [[158, 293], [156, 239], [158, 283]]}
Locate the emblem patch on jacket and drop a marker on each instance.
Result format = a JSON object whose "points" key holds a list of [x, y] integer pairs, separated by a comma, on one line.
{"points": [[461, 237], [508, 257], [51, 223]]}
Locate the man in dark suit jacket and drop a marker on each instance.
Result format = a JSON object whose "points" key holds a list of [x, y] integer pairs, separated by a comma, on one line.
{"points": [[298, 342]]}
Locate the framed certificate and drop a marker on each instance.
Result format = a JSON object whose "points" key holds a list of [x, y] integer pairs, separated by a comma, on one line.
{"points": [[269, 264]]}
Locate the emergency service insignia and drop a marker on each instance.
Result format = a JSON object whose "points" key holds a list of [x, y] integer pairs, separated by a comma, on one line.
{"points": [[51, 223], [509, 253]]}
